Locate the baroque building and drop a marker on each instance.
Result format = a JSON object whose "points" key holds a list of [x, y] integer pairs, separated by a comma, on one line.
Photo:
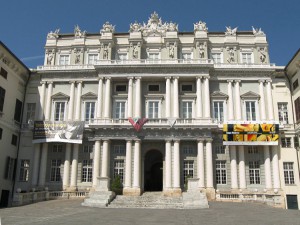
{"points": [[154, 102]]}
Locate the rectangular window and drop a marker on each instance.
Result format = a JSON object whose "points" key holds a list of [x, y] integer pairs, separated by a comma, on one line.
{"points": [[24, 170], [220, 149], [14, 140], [283, 112], [18, 110], [288, 170], [188, 170], [121, 88], [64, 60], [57, 148], [3, 73], [186, 87], [59, 111], [218, 111], [221, 172], [119, 169], [254, 172], [87, 170], [297, 109], [295, 84], [250, 111], [153, 87], [30, 114], [216, 57], [1, 130], [187, 109], [120, 109], [119, 149], [247, 58], [153, 56], [286, 142], [2, 97], [153, 107], [55, 170], [10, 164], [188, 150], [92, 59], [252, 150], [87, 148], [89, 111]]}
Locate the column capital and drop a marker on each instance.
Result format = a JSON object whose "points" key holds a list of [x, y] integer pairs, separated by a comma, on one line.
{"points": [[261, 81], [49, 82], [43, 82], [200, 140], [72, 82], [168, 140], [206, 77], [208, 140], [237, 81], [176, 140], [108, 78], [100, 78], [199, 77], [79, 81], [229, 81], [269, 81], [128, 140], [138, 78], [176, 78], [137, 141], [169, 77], [130, 78], [106, 140]]}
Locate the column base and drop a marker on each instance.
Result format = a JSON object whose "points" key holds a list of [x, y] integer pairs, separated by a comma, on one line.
{"points": [[132, 191], [172, 192], [210, 193]]}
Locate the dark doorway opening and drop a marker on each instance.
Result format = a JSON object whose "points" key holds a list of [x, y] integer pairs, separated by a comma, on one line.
{"points": [[4, 198], [292, 202], [153, 175]]}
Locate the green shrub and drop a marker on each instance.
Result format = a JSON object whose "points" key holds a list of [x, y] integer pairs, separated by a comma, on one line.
{"points": [[116, 185]]}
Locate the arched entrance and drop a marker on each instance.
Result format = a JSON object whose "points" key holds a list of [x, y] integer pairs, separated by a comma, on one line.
{"points": [[153, 176]]}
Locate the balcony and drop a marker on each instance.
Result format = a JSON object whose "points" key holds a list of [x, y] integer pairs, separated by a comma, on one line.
{"points": [[244, 66], [66, 67]]}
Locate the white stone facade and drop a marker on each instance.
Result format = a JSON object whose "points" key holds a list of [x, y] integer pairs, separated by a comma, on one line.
{"points": [[187, 84]]}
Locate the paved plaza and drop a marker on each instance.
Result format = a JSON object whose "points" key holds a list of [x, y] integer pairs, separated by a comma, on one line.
{"points": [[70, 212]]}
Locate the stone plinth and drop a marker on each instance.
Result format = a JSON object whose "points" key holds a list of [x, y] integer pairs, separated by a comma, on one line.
{"points": [[172, 192], [132, 191]]}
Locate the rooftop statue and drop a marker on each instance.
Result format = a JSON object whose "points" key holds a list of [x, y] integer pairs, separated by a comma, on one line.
{"points": [[200, 26], [258, 31], [155, 26], [230, 32], [78, 33], [52, 35], [172, 26], [107, 28], [135, 27]]}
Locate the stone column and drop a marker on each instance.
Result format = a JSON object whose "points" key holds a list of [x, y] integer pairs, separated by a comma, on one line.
{"points": [[36, 164], [242, 170], [107, 100], [48, 104], [199, 97], [168, 97], [230, 101], [130, 93], [275, 165], [42, 101], [74, 167], [66, 177], [99, 98], [200, 164], [206, 98], [238, 112], [128, 164], [43, 165], [138, 97], [175, 98], [168, 161], [233, 166], [137, 166], [78, 100], [71, 102], [209, 164], [267, 167], [176, 168], [262, 100], [105, 159], [270, 100], [96, 162]]}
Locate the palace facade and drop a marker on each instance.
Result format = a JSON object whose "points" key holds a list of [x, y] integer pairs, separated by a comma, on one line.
{"points": [[186, 85]]}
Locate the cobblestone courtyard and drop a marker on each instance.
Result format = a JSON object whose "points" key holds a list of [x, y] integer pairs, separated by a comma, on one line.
{"points": [[70, 212]]}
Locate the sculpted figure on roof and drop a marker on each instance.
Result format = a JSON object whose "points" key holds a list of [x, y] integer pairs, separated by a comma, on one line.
{"points": [[258, 31], [200, 26], [230, 32], [78, 33], [107, 28], [154, 26], [52, 35], [135, 27]]}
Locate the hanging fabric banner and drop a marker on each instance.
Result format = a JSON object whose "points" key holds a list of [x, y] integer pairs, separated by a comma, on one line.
{"points": [[137, 122]]}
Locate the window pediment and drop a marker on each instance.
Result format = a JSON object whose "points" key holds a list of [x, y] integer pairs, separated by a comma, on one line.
{"points": [[60, 95], [250, 95], [219, 95], [89, 95]]}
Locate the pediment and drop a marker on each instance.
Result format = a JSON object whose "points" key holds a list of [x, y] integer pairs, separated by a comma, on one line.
{"points": [[89, 95], [60, 95], [250, 94], [218, 94]]}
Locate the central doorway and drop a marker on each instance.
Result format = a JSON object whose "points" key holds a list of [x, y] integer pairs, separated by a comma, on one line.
{"points": [[153, 175]]}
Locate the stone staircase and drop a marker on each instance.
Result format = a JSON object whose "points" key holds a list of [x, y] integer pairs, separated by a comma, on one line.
{"points": [[151, 200]]}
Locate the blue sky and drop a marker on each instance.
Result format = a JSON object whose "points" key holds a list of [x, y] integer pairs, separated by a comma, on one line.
{"points": [[25, 24]]}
